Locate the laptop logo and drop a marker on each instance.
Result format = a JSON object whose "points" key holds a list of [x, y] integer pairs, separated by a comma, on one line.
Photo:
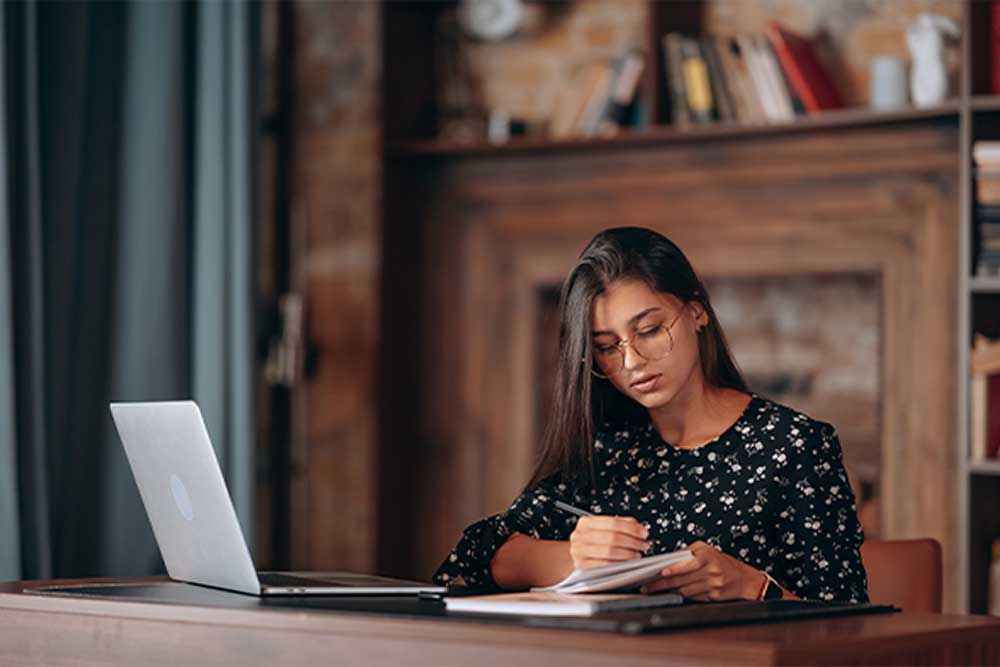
{"points": [[181, 497]]}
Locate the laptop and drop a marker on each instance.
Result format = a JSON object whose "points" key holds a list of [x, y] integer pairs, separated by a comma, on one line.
{"points": [[192, 515]]}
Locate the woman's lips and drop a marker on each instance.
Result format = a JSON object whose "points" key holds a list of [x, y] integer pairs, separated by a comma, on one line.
{"points": [[647, 385]]}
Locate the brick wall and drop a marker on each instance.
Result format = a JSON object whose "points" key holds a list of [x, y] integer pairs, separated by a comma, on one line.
{"points": [[336, 191]]}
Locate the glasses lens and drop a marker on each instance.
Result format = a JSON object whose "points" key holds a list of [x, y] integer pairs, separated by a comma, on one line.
{"points": [[607, 362], [655, 345]]}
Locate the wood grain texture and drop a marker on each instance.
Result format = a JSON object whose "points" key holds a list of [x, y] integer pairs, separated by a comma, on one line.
{"points": [[496, 232], [47, 630]]}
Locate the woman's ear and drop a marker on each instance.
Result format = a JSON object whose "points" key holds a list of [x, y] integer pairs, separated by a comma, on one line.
{"points": [[700, 315]]}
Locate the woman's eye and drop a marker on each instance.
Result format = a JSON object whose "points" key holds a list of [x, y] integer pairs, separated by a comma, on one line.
{"points": [[646, 333], [604, 349]]}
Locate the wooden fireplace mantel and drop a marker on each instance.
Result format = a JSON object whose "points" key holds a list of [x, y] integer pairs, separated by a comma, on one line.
{"points": [[483, 234]]}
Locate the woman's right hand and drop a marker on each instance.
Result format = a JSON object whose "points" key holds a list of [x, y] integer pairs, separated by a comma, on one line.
{"points": [[599, 540]]}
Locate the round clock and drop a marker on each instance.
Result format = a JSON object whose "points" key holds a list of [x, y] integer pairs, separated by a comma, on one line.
{"points": [[490, 19]]}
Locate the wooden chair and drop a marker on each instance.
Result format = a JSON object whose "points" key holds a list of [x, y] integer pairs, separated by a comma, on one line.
{"points": [[906, 573]]}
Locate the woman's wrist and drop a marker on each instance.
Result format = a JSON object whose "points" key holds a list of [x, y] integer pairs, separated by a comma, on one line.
{"points": [[524, 561], [754, 584]]}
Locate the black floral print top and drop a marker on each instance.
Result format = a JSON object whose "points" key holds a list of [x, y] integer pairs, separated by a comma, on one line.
{"points": [[770, 491]]}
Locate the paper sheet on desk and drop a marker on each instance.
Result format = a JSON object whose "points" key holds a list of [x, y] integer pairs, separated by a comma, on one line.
{"points": [[623, 575]]}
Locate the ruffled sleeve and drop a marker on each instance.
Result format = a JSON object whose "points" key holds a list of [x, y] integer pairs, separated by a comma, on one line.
{"points": [[820, 537], [532, 513]]}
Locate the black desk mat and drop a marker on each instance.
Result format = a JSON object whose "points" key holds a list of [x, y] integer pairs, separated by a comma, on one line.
{"points": [[688, 615]]}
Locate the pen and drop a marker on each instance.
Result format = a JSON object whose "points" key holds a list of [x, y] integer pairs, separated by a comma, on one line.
{"points": [[566, 507]]}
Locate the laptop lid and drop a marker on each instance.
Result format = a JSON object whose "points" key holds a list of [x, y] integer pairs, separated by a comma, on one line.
{"points": [[185, 495]]}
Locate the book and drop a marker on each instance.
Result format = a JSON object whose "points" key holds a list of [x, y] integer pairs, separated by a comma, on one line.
{"points": [[697, 85], [995, 48], [573, 101], [622, 92], [984, 413], [675, 80], [758, 78], [806, 73], [986, 153], [775, 79], [595, 102], [622, 576], [748, 108], [724, 103], [558, 604]]}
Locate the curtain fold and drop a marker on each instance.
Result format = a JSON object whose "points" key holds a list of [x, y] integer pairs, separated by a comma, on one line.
{"points": [[222, 325], [10, 545], [127, 162]]}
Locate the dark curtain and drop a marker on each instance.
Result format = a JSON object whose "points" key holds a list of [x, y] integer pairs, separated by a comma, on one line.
{"points": [[125, 263]]}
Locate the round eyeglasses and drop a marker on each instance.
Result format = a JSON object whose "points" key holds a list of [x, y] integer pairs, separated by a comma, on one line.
{"points": [[651, 343]]}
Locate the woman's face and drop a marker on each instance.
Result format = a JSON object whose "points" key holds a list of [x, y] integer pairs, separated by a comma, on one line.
{"points": [[631, 310]]}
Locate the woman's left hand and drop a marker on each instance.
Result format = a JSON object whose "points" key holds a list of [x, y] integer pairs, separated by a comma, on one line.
{"points": [[710, 575]]}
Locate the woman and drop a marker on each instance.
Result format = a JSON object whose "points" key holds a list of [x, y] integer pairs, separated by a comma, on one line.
{"points": [[654, 431]]}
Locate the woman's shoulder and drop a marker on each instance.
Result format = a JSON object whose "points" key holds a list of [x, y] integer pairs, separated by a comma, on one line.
{"points": [[779, 419]]}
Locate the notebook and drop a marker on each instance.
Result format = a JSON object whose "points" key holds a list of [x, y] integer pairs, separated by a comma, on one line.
{"points": [[621, 576], [550, 603]]}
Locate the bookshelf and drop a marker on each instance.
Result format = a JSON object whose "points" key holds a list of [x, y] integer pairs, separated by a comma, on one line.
{"points": [[410, 149]]}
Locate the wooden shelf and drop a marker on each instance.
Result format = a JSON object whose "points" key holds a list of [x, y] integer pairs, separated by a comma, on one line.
{"points": [[985, 468], [667, 134], [984, 285], [984, 102]]}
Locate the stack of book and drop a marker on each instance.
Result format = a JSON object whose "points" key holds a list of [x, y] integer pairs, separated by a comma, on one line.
{"points": [[747, 79], [574, 595], [984, 412], [986, 155], [602, 98]]}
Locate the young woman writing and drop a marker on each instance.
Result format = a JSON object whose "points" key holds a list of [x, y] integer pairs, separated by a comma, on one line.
{"points": [[654, 431]]}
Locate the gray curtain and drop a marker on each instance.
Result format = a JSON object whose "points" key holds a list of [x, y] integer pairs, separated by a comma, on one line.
{"points": [[129, 131]]}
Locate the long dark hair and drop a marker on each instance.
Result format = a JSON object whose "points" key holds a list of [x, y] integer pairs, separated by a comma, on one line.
{"points": [[580, 399]]}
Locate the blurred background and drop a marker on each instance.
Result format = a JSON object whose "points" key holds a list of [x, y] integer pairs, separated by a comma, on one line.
{"points": [[341, 227]]}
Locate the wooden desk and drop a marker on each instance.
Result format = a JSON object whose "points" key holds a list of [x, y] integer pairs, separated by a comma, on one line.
{"points": [[49, 630]]}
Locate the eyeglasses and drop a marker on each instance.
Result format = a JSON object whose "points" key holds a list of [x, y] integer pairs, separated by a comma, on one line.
{"points": [[651, 343]]}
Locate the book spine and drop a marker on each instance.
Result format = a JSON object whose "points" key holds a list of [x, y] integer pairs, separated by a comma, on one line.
{"points": [[775, 79], [624, 87], [977, 417], [675, 80], [721, 91], [696, 83], [759, 78], [995, 48], [749, 107], [596, 101]]}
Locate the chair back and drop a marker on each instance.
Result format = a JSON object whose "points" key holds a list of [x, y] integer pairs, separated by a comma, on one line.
{"points": [[905, 573]]}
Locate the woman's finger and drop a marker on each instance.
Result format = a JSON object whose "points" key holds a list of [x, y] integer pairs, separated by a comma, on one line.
{"points": [[609, 553], [681, 580], [684, 567], [698, 590], [615, 524], [615, 539]]}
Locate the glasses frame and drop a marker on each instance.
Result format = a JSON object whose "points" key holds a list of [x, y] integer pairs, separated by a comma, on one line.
{"points": [[627, 342]]}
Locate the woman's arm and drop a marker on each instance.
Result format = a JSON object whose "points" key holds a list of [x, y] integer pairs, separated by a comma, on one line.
{"points": [[523, 562], [818, 527]]}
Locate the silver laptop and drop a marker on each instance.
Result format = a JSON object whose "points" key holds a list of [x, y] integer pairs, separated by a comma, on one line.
{"points": [[192, 515]]}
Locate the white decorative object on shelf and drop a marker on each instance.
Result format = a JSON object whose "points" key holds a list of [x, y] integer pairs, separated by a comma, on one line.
{"points": [[928, 75], [490, 19]]}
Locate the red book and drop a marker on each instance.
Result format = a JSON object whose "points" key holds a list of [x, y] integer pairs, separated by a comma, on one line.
{"points": [[805, 73], [993, 416], [995, 47]]}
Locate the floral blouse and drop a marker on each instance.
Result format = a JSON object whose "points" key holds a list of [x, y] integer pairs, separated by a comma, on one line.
{"points": [[770, 491]]}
